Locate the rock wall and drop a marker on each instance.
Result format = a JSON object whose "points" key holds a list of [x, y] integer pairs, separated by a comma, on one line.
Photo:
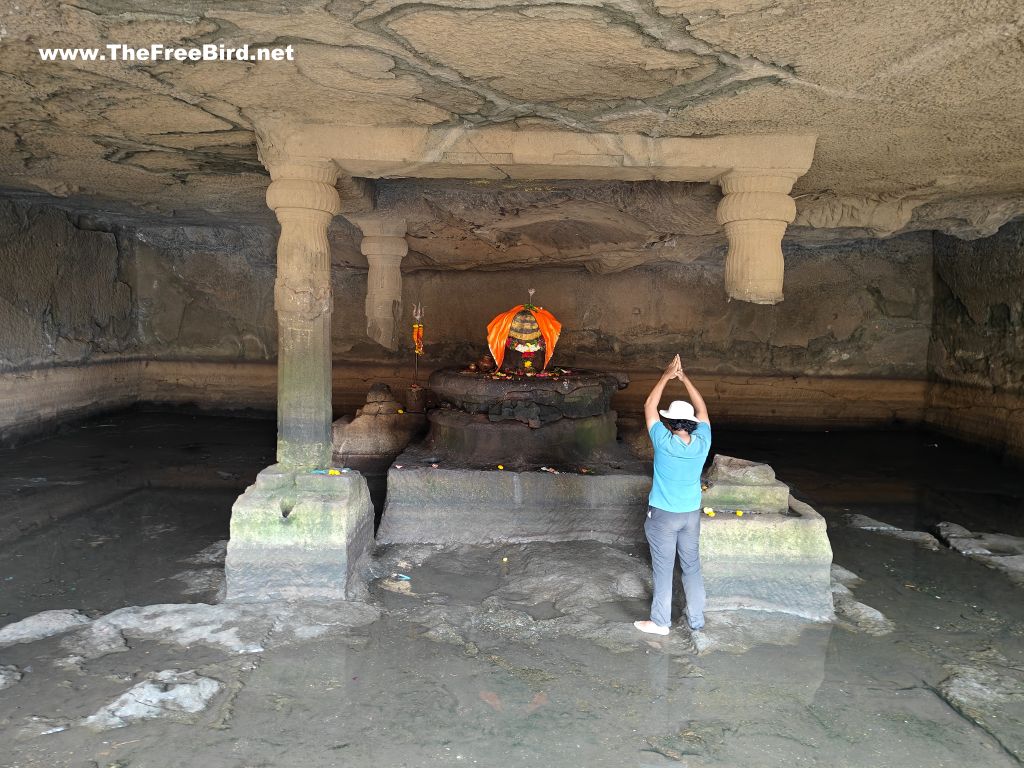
{"points": [[860, 310], [65, 296], [204, 293], [976, 356]]}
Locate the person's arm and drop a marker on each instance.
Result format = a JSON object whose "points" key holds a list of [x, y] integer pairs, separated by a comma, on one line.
{"points": [[651, 403], [700, 408]]}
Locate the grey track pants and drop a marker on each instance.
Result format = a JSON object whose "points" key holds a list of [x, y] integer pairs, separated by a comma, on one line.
{"points": [[669, 534]]}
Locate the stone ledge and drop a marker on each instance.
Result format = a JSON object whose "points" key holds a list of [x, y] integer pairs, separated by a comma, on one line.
{"points": [[33, 400]]}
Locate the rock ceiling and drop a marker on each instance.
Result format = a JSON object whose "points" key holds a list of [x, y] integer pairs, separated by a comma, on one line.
{"points": [[918, 106]]}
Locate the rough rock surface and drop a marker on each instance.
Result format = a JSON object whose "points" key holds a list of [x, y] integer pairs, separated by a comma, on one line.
{"points": [[9, 675], [66, 292], [978, 333], [166, 135], [993, 697], [41, 625], [845, 577], [976, 356], [996, 550], [582, 590], [99, 639], [238, 628]]}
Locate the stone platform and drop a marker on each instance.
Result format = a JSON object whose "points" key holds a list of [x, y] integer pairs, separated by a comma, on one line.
{"points": [[771, 558], [452, 504], [298, 535]]}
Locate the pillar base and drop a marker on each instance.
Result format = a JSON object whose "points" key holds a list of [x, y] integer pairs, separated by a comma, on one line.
{"points": [[298, 536]]}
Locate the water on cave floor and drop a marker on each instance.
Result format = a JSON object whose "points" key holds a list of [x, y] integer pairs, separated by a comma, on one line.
{"points": [[450, 675]]}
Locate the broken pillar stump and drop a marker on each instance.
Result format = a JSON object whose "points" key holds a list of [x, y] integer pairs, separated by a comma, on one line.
{"points": [[732, 484], [768, 562]]}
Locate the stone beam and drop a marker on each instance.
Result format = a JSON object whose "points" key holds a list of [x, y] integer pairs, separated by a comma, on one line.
{"points": [[384, 247], [501, 153], [755, 172], [304, 198]]}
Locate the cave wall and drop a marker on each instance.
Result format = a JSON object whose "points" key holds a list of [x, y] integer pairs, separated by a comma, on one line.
{"points": [[65, 296], [66, 299], [856, 310], [848, 346], [976, 355], [184, 314]]}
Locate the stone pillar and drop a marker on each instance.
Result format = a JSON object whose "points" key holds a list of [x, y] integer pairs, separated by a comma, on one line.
{"points": [[384, 247], [754, 211], [303, 196], [301, 531]]}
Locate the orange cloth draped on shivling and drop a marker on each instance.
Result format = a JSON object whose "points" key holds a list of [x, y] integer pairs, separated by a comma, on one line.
{"points": [[498, 330]]}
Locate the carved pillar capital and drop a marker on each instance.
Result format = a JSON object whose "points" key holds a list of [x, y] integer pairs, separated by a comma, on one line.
{"points": [[754, 211], [304, 185]]}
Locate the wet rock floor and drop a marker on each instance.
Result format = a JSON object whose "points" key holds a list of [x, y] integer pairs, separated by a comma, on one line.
{"points": [[522, 655]]}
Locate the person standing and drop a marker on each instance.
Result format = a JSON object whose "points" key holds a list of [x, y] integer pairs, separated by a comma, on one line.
{"points": [[681, 446]]}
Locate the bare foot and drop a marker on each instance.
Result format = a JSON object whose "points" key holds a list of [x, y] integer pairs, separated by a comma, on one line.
{"points": [[650, 628]]}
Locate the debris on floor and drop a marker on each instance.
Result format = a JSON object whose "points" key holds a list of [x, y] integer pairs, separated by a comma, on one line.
{"points": [[9, 675], [920, 538], [168, 693], [996, 550]]}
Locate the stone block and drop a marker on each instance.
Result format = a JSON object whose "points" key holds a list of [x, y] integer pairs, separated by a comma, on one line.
{"points": [[302, 540], [273, 477], [379, 393], [729, 469], [947, 530], [324, 483]]}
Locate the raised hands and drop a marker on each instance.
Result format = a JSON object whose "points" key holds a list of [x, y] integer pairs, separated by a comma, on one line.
{"points": [[674, 369]]}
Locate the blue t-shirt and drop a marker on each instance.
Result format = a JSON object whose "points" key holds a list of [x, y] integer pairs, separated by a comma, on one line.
{"points": [[677, 468]]}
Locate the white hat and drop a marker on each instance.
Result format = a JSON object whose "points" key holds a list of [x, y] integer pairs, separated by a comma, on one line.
{"points": [[679, 410]]}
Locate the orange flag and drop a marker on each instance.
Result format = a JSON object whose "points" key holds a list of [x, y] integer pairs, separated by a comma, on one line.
{"points": [[498, 328]]}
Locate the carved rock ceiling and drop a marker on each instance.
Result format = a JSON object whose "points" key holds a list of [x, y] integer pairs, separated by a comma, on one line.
{"points": [[918, 106]]}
